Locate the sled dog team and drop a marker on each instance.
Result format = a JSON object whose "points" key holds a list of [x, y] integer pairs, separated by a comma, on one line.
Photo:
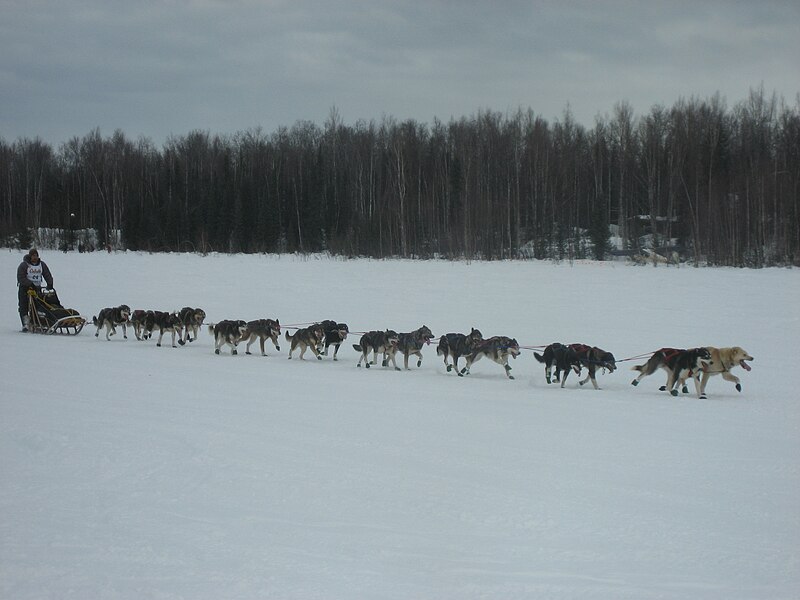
{"points": [[558, 359]]}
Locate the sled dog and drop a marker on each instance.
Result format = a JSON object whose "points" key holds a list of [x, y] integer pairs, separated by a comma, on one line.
{"points": [[311, 337], [110, 318], [163, 321], [377, 341], [563, 358], [456, 345], [498, 349], [262, 330], [722, 361], [138, 319], [192, 319], [228, 332], [411, 344], [679, 364], [335, 334], [593, 358]]}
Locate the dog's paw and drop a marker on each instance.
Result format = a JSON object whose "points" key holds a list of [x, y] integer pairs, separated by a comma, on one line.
{"points": [[449, 368], [397, 369], [366, 365], [674, 392], [581, 382], [511, 377], [248, 352], [278, 348], [234, 352], [703, 397], [663, 388], [182, 343], [334, 358], [216, 351], [738, 387], [319, 357], [419, 363], [157, 344], [685, 390]]}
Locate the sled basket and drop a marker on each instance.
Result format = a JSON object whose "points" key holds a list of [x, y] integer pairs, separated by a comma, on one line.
{"points": [[46, 315]]}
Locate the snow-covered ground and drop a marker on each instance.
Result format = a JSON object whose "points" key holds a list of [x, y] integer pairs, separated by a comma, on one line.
{"points": [[131, 471]]}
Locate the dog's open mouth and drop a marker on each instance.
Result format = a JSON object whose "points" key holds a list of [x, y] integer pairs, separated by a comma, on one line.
{"points": [[744, 365]]}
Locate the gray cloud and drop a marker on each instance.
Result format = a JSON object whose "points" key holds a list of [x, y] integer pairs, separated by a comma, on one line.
{"points": [[156, 68]]}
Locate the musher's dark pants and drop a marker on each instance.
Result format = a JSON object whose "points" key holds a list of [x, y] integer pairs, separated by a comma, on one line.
{"points": [[23, 303]]}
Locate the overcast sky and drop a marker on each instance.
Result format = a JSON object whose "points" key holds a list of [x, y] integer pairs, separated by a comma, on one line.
{"points": [[170, 67]]}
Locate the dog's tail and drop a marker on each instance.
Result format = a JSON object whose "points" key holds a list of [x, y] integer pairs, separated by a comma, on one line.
{"points": [[94, 321], [538, 357], [357, 347], [288, 337], [443, 347], [649, 367], [212, 328]]}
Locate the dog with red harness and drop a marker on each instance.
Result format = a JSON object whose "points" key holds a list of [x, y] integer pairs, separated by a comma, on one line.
{"points": [[593, 359], [679, 363]]}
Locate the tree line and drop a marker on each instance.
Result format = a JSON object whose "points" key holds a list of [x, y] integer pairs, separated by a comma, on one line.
{"points": [[715, 184]]}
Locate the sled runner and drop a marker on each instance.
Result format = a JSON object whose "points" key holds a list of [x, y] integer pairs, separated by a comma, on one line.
{"points": [[46, 315]]}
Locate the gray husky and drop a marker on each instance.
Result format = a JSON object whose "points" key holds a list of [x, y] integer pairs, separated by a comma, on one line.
{"points": [[498, 349], [378, 341], [262, 330]]}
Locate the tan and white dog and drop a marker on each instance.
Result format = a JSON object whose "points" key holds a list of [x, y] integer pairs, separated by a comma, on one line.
{"points": [[723, 360]]}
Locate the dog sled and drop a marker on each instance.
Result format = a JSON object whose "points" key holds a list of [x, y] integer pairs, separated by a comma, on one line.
{"points": [[47, 315]]}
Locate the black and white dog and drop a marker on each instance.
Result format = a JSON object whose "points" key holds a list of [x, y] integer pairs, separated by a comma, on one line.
{"points": [[110, 318], [335, 334], [563, 358], [498, 349], [411, 344], [679, 364], [192, 320], [384, 342], [456, 345], [262, 330], [228, 332], [593, 358]]}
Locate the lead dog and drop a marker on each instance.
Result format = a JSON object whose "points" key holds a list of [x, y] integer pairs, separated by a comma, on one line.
{"points": [[497, 348], [262, 330], [192, 320], [562, 357], [411, 344], [377, 341], [456, 345], [335, 334], [593, 358], [311, 337], [110, 318], [228, 332], [679, 364], [722, 361]]}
